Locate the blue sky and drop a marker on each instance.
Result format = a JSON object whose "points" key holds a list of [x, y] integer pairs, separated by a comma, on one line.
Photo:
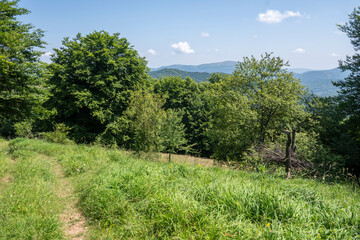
{"points": [[203, 31]]}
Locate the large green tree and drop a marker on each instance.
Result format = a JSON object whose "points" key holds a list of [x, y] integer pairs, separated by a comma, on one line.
{"points": [[273, 93], [254, 104], [186, 96], [350, 89], [93, 78], [21, 74], [143, 122], [350, 86]]}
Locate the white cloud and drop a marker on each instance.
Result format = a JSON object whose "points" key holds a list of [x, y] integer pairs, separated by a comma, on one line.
{"points": [[334, 54], [216, 49], [47, 54], [205, 34], [182, 47], [45, 57], [299, 50], [275, 16], [152, 52], [254, 36]]}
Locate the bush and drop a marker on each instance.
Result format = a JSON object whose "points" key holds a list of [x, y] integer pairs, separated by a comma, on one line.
{"points": [[59, 135], [23, 129]]}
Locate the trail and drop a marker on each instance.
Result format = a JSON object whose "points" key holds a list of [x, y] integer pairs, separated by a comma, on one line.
{"points": [[7, 178], [73, 220]]}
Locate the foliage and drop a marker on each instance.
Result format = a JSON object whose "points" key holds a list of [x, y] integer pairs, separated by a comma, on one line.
{"points": [[23, 129], [93, 77], [186, 96], [273, 93], [335, 146], [254, 104], [145, 118], [173, 132], [231, 128], [59, 135], [350, 88], [22, 88]]}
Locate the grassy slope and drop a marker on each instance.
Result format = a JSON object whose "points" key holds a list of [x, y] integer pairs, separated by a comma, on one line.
{"points": [[128, 198], [28, 206]]}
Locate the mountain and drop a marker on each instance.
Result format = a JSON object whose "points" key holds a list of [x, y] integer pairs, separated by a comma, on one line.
{"points": [[196, 76], [319, 81], [299, 70], [220, 67]]}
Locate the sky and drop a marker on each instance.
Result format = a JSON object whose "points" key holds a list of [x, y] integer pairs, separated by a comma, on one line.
{"points": [[194, 32]]}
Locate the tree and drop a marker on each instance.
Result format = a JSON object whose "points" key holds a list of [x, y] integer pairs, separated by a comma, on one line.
{"points": [[93, 78], [173, 132], [186, 96], [232, 121], [145, 118], [22, 89], [256, 103], [273, 93], [350, 88]]}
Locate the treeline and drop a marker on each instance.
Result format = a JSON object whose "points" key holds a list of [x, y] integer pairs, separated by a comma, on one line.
{"points": [[98, 89], [196, 76]]}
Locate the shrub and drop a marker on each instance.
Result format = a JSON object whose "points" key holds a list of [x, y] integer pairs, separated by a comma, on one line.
{"points": [[59, 135], [23, 129]]}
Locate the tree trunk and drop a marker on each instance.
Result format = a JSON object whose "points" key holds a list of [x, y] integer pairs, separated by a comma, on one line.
{"points": [[169, 157], [288, 154], [293, 136]]}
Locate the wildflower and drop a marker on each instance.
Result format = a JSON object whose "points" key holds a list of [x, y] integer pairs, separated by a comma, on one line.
{"points": [[268, 225], [78, 170], [199, 165]]}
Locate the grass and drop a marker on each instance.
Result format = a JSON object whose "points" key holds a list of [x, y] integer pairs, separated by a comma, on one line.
{"points": [[28, 207], [124, 197]]}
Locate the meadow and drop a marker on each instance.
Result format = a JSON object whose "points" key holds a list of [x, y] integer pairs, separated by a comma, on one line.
{"points": [[122, 196]]}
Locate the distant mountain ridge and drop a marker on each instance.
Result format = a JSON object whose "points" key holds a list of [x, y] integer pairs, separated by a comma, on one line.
{"points": [[196, 76], [220, 67], [318, 81]]}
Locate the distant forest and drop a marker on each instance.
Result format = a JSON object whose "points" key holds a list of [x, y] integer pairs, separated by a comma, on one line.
{"points": [[196, 76], [319, 82]]}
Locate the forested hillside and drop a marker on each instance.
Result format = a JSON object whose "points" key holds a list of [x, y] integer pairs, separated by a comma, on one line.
{"points": [[196, 76], [319, 82]]}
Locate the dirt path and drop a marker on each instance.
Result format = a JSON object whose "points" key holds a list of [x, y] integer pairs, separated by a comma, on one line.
{"points": [[73, 220]]}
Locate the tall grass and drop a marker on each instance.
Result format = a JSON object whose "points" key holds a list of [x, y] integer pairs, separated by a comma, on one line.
{"points": [[28, 207], [128, 198]]}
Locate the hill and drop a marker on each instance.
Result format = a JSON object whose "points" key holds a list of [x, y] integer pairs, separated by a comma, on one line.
{"points": [[318, 81], [123, 197], [220, 67], [196, 76]]}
